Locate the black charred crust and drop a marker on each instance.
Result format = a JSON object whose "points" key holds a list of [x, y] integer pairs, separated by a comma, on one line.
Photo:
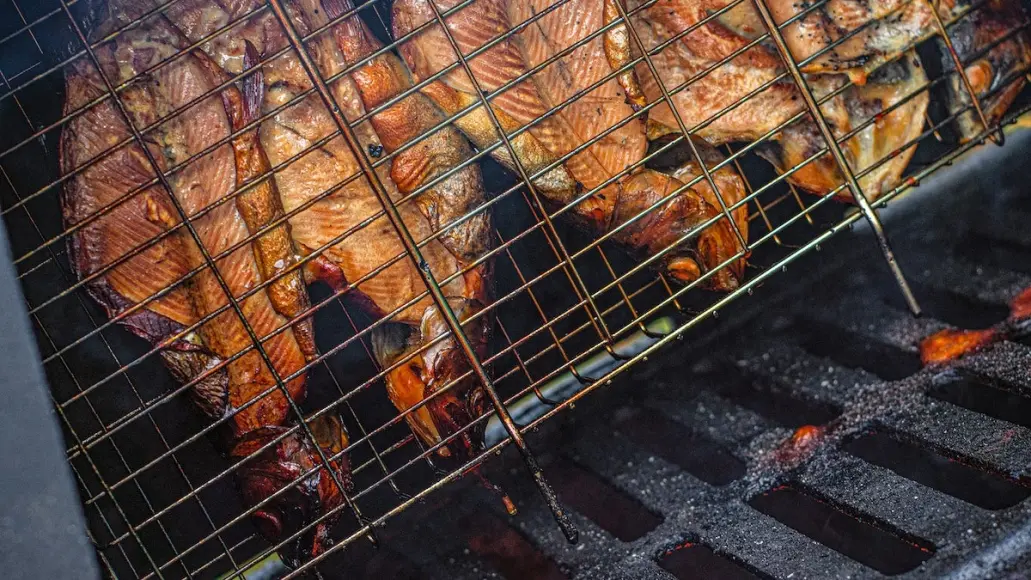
{"points": [[894, 72], [300, 504]]}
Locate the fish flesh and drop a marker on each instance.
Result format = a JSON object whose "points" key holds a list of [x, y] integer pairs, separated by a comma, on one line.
{"points": [[708, 104], [414, 119], [856, 37], [885, 118], [334, 209], [184, 119], [576, 130], [720, 95], [681, 164]]}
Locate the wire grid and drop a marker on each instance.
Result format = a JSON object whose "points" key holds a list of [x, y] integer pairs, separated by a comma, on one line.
{"points": [[159, 497]]}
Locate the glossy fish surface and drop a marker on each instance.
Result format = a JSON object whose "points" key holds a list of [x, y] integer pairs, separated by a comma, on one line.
{"points": [[571, 121]]}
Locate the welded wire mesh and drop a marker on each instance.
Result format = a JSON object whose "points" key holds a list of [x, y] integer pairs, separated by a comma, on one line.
{"points": [[160, 498]]}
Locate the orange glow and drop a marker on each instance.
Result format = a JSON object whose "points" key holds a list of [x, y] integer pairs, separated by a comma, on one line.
{"points": [[1020, 307], [797, 448], [948, 345], [805, 435]]}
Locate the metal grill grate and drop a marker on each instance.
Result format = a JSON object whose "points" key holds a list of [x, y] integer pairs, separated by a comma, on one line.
{"points": [[160, 499]]}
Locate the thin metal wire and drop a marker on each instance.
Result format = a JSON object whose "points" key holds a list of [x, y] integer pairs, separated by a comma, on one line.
{"points": [[563, 334], [748, 286], [961, 70], [822, 152], [823, 200]]}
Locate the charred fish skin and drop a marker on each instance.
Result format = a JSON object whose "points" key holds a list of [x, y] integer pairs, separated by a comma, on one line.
{"points": [[242, 393], [594, 133], [886, 111], [742, 99]]}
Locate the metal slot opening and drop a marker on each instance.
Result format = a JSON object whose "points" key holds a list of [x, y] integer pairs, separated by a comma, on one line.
{"points": [[610, 508], [507, 551], [677, 444], [866, 543], [954, 308], [1002, 253], [854, 351], [983, 396], [937, 471], [779, 407], [692, 561]]}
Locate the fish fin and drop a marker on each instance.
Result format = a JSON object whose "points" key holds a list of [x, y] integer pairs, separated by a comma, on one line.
{"points": [[329, 432], [253, 84], [389, 342], [322, 269], [335, 8], [211, 393]]}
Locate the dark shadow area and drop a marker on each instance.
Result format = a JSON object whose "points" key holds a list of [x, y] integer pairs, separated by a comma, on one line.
{"points": [[865, 543], [677, 444], [695, 561], [936, 471], [857, 352], [613, 511], [984, 396]]}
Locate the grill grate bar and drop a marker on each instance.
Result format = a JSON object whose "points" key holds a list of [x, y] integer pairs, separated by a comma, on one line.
{"points": [[869, 489]]}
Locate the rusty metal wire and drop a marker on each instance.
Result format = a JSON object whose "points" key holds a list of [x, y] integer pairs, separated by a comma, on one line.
{"points": [[562, 297]]}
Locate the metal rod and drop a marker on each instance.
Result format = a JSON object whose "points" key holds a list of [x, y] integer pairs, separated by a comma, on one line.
{"points": [[961, 70], [839, 157]]}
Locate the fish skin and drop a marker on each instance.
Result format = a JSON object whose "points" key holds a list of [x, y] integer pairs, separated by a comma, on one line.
{"points": [[731, 186], [834, 20], [580, 120]]}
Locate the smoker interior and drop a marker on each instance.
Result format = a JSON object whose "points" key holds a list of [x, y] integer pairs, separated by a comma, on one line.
{"points": [[825, 341], [686, 468]]}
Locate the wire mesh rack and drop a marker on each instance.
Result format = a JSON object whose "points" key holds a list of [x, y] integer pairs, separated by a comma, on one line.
{"points": [[159, 493]]}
